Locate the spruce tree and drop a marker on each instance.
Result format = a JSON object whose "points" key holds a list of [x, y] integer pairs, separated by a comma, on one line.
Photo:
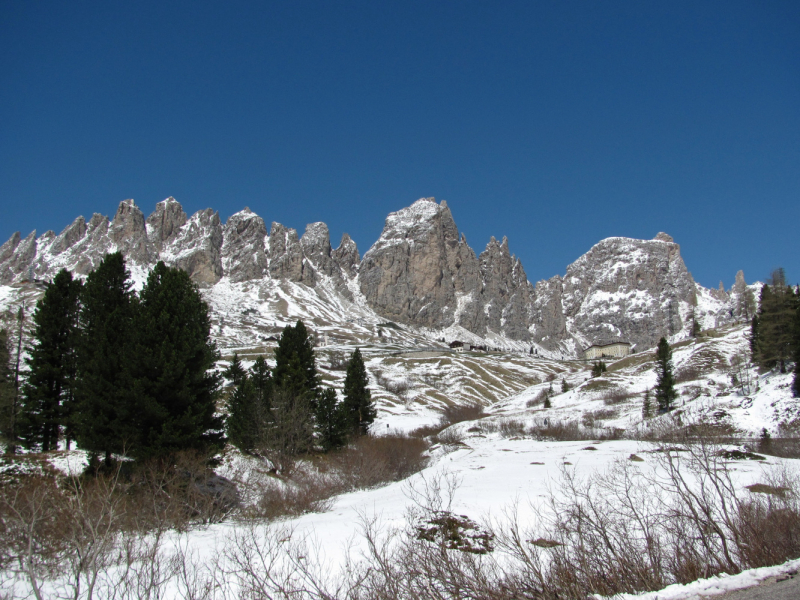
{"points": [[295, 367], [250, 407], [242, 422], [6, 388], [105, 420], [772, 333], [564, 386], [796, 382], [235, 371], [48, 404], [332, 421], [647, 409], [358, 405], [172, 385], [665, 384]]}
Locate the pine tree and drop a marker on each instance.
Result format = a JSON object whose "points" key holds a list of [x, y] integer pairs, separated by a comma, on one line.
{"points": [[564, 386], [332, 421], [772, 329], [106, 416], [173, 387], [647, 409], [235, 371], [6, 388], [242, 422], [249, 408], [665, 384], [598, 368], [358, 404], [48, 404], [796, 382], [295, 367]]}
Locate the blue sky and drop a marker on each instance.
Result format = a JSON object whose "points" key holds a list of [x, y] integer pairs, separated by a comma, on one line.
{"points": [[554, 123]]}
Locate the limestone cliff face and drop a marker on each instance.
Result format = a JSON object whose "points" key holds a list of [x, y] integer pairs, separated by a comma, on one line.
{"points": [[165, 223], [622, 289], [506, 293], [244, 254], [419, 269]]}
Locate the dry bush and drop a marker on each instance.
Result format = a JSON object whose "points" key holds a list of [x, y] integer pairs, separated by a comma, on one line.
{"points": [[593, 418], [688, 372], [511, 428], [372, 461], [450, 437], [426, 431], [176, 493], [457, 413], [538, 399], [616, 396]]}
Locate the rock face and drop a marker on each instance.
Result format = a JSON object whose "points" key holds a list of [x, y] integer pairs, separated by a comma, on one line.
{"points": [[165, 222], [243, 252], [419, 269], [420, 272], [622, 289]]}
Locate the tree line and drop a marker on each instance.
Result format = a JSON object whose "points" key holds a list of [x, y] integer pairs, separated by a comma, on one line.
{"points": [[775, 328], [124, 373]]}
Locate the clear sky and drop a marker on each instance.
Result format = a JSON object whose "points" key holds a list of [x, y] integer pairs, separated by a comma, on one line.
{"points": [[556, 123]]}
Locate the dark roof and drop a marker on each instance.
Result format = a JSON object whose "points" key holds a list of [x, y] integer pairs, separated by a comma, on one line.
{"points": [[605, 344]]}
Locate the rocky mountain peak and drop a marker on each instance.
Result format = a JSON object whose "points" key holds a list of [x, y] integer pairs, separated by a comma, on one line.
{"points": [[128, 233], [663, 237], [346, 256], [164, 222]]}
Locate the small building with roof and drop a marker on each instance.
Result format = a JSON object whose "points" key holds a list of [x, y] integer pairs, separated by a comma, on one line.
{"points": [[613, 349]]}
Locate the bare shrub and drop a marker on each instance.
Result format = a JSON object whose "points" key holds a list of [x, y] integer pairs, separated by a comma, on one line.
{"points": [[372, 461], [511, 428], [688, 372], [450, 437], [338, 361], [594, 418], [457, 413], [426, 431], [616, 396], [176, 493], [538, 399]]}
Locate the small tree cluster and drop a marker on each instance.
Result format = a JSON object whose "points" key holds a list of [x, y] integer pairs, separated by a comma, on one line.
{"points": [[774, 330], [283, 412], [121, 372], [598, 368]]}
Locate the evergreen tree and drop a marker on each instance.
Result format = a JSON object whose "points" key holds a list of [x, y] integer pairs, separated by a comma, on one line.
{"points": [[598, 368], [261, 377], [295, 367], [332, 421], [249, 408], [665, 384], [564, 386], [358, 404], [173, 387], [48, 404], [242, 423], [796, 382], [106, 416], [235, 371], [647, 408], [6, 388], [772, 329]]}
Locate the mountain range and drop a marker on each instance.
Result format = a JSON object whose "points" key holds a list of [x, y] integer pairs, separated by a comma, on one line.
{"points": [[421, 276]]}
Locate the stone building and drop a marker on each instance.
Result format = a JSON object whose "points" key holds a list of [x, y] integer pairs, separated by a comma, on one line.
{"points": [[610, 350]]}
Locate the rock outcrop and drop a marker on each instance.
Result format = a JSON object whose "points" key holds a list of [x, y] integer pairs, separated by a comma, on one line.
{"points": [[244, 255], [622, 289]]}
